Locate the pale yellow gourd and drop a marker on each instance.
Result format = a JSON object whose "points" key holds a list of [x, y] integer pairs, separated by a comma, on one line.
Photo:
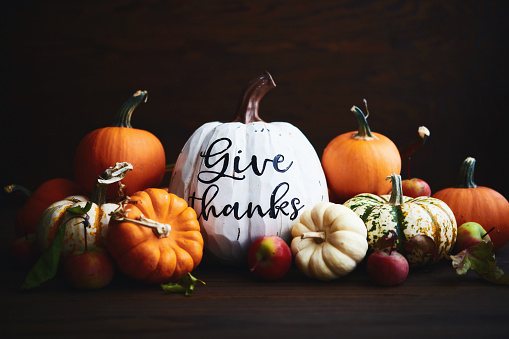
{"points": [[329, 241]]}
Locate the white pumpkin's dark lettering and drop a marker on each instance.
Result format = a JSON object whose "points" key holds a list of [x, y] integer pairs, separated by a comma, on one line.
{"points": [[224, 161], [277, 205]]}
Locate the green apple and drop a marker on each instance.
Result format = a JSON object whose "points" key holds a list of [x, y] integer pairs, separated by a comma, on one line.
{"points": [[91, 268], [469, 234]]}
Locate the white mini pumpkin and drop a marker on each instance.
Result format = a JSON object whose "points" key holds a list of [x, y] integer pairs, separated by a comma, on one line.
{"points": [[247, 178], [329, 241], [96, 219]]}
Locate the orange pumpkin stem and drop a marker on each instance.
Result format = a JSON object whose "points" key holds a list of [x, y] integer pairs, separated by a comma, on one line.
{"points": [[247, 111], [18, 188], [466, 176], [123, 118], [364, 130], [160, 230], [396, 198]]}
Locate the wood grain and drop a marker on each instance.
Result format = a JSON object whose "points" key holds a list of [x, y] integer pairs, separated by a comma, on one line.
{"points": [[431, 302]]}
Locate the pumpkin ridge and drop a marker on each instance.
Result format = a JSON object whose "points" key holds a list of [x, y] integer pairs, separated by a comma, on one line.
{"points": [[168, 262], [437, 230]]}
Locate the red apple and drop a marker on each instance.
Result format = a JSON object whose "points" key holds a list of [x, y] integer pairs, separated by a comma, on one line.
{"points": [[269, 257], [92, 268], [387, 267], [415, 187], [469, 234], [24, 250]]}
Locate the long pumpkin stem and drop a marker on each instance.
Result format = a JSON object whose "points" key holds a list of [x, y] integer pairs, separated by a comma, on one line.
{"points": [[466, 176], [397, 190], [111, 175], [247, 112], [422, 135], [123, 118], [364, 130]]}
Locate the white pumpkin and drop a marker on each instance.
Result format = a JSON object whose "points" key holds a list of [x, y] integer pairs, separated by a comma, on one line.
{"points": [[247, 178], [329, 241], [96, 218]]}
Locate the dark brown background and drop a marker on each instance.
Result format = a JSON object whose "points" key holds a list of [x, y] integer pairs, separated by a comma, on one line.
{"points": [[68, 66]]}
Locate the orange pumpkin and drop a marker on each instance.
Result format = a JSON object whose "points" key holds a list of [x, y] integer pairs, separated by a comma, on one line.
{"points": [[359, 161], [121, 143], [47, 193], [480, 204], [156, 237]]}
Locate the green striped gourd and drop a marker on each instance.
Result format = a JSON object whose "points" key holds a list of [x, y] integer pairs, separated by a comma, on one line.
{"points": [[408, 217]]}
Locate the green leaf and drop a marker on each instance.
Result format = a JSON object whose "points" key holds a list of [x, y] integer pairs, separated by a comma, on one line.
{"points": [[185, 285], [46, 267], [480, 258], [80, 210]]}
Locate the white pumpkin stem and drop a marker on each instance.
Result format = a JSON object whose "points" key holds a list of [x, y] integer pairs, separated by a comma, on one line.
{"points": [[318, 236], [247, 111]]}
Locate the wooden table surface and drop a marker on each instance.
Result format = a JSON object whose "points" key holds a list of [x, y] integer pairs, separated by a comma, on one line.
{"points": [[431, 302]]}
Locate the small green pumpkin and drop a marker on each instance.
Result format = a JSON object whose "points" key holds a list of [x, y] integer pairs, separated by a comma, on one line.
{"points": [[407, 217]]}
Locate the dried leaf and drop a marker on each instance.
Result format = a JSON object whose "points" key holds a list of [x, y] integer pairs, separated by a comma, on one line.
{"points": [[480, 258]]}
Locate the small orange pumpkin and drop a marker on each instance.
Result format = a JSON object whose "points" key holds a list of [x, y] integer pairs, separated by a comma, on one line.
{"points": [[359, 161], [48, 192], [155, 237], [479, 204], [121, 143]]}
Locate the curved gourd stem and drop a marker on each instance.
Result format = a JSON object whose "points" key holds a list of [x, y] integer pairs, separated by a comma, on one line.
{"points": [[247, 112], [466, 176], [111, 175], [18, 188], [397, 190], [364, 130], [123, 118], [422, 135]]}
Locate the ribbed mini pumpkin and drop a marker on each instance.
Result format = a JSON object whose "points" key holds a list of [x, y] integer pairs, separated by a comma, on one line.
{"points": [[155, 238], [329, 241], [408, 217], [97, 217]]}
